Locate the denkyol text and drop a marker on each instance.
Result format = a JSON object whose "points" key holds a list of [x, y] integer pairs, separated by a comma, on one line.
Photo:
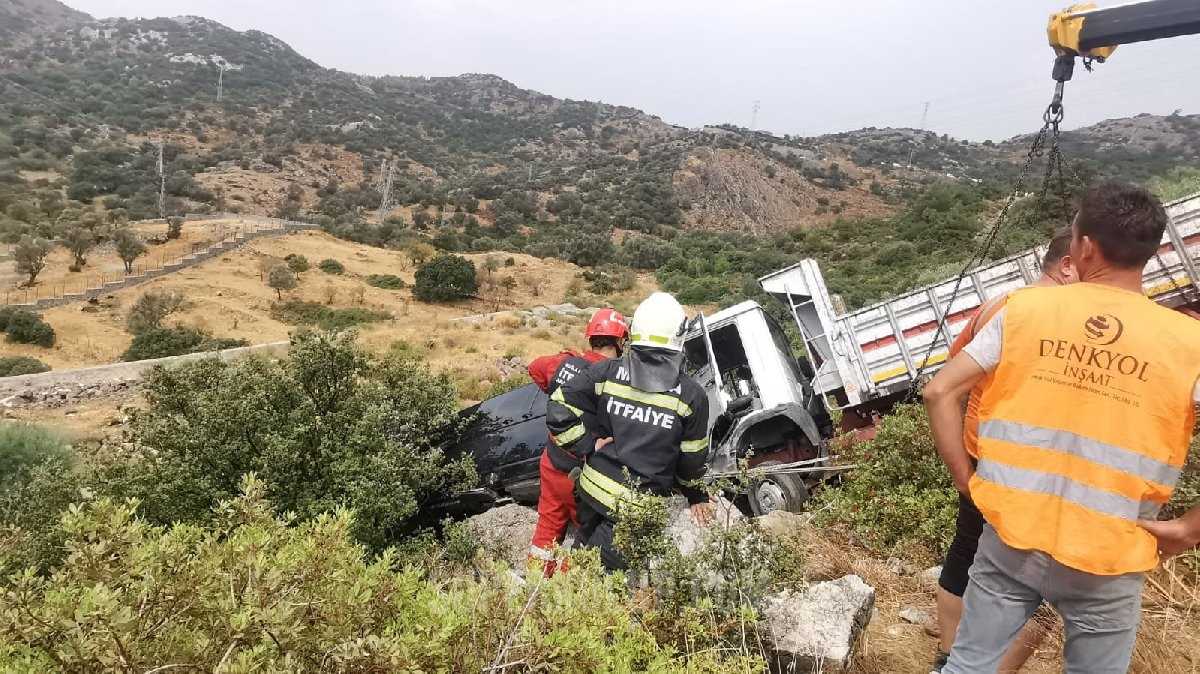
{"points": [[646, 415], [1086, 363]]}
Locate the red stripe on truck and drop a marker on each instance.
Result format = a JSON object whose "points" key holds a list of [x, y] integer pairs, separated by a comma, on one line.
{"points": [[919, 329]]}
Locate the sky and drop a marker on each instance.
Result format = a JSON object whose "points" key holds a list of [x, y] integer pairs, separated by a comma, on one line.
{"points": [[813, 67]]}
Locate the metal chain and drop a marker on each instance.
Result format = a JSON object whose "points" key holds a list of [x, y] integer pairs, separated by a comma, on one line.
{"points": [[1050, 122]]}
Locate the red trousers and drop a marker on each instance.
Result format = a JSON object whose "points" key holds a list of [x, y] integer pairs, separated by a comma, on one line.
{"points": [[556, 510]]}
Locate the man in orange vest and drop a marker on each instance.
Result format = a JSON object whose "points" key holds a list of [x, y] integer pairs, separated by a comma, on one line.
{"points": [[1057, 270], [1084, 426]]}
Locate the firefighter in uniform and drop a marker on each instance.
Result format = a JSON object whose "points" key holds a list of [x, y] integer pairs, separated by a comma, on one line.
{"points": [[650, 420], [606, 334]]}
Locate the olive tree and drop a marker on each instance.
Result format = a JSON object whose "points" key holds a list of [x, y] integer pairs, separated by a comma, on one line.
{"points": [[30, 255], [129, 247], [281, 278]]}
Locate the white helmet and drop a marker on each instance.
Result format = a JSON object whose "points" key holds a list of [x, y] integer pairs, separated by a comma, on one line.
{"points": [[659, 322]]}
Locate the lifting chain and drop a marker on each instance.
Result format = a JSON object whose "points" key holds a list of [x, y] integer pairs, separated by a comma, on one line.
{"points": [[1051, 119]]}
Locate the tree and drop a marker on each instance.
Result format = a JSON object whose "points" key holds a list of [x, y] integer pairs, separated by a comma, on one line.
{"points": [[79, 241], [174, 227], [281, 278], [129, 247], [30, 255], [491, 263], [420, 253], [152, 308], [445, 278]]}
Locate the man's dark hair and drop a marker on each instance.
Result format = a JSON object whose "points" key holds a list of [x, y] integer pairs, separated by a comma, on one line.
{"points": [[1060, 245], [601, 341], [1126, 221]]}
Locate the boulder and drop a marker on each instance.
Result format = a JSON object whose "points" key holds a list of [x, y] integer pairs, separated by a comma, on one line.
{"points": [[505, 532], [817, 630], [683, 530]]}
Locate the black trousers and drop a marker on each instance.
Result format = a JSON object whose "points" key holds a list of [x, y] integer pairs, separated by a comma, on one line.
{"points": [[961, 554], [596, 531]]}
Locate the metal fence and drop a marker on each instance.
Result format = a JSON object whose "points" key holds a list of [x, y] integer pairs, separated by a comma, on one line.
{"points": [[89, 285]]}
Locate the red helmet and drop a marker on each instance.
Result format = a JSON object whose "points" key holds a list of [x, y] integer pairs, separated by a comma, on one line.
{"points": [[607, 323]]}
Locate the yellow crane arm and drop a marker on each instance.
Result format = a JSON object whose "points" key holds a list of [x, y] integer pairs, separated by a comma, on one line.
{"points": [[1084, 30]]}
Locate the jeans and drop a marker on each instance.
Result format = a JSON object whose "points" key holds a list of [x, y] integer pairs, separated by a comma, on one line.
{"points": [[1100, 613]]}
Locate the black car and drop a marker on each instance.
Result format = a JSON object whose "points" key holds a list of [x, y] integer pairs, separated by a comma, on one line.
{"points": [[506, 436]]}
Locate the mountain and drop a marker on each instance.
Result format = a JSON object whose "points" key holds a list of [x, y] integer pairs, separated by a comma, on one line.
{"points": [[474, 161]]}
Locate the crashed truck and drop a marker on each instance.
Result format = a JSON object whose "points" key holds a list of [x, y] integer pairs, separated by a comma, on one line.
{"points": [[776, 409]]}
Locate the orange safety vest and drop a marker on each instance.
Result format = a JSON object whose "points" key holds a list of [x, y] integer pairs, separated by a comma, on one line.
{"points": [[1084, 428], [982, 316]]}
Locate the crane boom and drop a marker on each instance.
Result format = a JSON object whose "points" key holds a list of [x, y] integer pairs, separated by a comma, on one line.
{"points": [[1084, 30]]}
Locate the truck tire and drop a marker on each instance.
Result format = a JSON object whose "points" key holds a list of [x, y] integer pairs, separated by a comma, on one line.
{"points": [[777, 492]]}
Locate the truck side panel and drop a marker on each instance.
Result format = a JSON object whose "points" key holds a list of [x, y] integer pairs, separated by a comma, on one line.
{"points": [[894, 336]]}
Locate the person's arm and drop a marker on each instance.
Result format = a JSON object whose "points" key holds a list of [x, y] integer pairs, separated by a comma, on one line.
{"points": [[693, 459], [944, 398], [569, 407], [1178, 535]]}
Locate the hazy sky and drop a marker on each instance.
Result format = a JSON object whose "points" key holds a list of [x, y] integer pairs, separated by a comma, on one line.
{"points": [[816, 67]]}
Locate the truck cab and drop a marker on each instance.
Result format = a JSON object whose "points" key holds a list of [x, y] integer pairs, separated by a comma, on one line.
{"points": [[762, 407]]}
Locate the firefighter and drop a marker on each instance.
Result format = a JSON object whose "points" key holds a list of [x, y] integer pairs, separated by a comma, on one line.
{"points": [[650, 420], [606, 334]]}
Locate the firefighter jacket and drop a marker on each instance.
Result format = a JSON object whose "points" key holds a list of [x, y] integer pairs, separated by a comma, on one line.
{"points": [[550, 373], [1084, 427], [660, 440]]}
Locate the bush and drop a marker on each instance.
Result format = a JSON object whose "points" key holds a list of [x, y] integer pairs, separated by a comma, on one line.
{"points": [[281, 278], [297, 263], [386, 281], [152, 308], [445, 278], [134, 596], [174, 227], [331, 266], [23, 446], [12, 366], [24, 327], [328, 425], [899, 495], [164, 342], [510, 383], [298, 312]]}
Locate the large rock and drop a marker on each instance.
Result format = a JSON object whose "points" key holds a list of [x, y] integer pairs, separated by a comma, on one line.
{"points": [[689, 536], [817, 630], [506, 532]]}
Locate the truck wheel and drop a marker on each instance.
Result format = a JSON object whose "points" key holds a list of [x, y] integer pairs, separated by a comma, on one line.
{"points": [[777, 492]]}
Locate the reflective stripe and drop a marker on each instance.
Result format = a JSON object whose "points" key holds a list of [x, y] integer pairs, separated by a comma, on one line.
{"points": [[541, 553], [668, 402], [1067, 489], [557, 397], [657, 339], [1111, 456], [570, 435], [694, 445], [603, 488]]}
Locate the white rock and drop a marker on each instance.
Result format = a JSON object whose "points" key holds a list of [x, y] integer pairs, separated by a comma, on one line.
{"points": [[929, 577], [914, 615], [817, 630]]}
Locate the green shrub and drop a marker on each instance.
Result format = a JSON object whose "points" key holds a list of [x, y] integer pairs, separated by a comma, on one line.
{"points": [[152, 308], [1187, 491], [31, 506], [386, 281], [24, 327], [297, 263], [164, 342], [331, 266], [12, 366], [899, 495], [24, 445], [299, 312], [253, 593], [445, 278], [328, 425]]}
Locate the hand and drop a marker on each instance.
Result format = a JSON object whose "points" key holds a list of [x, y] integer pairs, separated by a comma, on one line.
{"points": [[601, 443], [703, 513], [1174, 536]]}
